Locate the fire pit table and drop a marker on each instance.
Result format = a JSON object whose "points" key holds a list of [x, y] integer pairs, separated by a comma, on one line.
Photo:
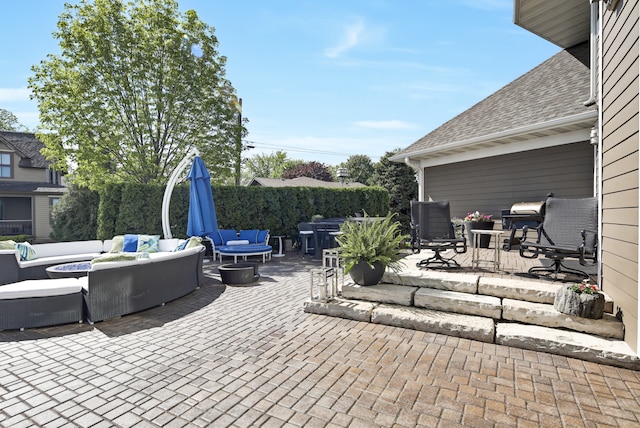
{"points": [[69, 270]]}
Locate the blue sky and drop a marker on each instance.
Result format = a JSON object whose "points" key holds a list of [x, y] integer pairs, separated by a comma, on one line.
{"points": [[326, 79]]}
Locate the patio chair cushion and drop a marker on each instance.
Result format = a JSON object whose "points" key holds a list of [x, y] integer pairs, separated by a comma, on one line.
{"points": [[262, 236], [250, 235], [227, 235], [194, 241], [215, 237]]}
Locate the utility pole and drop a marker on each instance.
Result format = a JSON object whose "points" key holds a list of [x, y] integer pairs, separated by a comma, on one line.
{"points": [[239, 141]]}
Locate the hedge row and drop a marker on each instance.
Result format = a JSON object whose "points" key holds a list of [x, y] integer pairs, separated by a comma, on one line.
{"points": [[136, 208]]}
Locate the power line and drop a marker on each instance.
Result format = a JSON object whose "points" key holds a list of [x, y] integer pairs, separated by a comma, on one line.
{"points": [[297, 149]]}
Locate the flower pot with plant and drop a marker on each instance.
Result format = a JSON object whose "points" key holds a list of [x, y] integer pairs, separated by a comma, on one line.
{"points": [[581, 299], [477, 220], [369, 246]]}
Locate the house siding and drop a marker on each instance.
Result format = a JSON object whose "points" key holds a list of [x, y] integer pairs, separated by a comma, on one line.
{"points": [[492, 184], [620, 177]]}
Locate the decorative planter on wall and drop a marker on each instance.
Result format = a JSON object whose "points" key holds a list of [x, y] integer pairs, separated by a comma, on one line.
{"points": [[484, 225], [363, 274], [583, 305]]}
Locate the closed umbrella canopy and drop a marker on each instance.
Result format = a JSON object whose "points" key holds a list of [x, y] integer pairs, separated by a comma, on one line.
{"points": [[202, 220]]}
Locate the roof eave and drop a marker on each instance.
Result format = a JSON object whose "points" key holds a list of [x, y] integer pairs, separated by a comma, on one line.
{"points": [[555, 126], [565, 23]]}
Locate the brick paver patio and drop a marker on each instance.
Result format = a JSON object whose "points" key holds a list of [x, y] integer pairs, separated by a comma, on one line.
{"points": [[249, 356]]}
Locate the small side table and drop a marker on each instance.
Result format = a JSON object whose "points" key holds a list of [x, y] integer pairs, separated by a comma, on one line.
{"points": [[477, 233], [280, 253]]}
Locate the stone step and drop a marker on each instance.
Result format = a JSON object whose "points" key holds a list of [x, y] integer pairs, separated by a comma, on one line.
{"points": [[567, 343], [460, 303], [547, 316], [533, 337], [458, 325], [341, 308], [464, 283], [527, 290], [383, 293]]}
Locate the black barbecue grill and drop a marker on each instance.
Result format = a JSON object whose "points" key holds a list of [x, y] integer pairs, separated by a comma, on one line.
{"points": [[521, 214]]}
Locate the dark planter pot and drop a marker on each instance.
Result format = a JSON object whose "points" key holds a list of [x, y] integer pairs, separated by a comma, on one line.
{"points": [[579, 304], [483, 225], [363, 274], [239, 273]]}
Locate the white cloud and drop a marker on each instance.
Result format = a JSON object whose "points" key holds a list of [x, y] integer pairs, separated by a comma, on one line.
{"points": [[352, 36], [385, 124], [14, 94]]}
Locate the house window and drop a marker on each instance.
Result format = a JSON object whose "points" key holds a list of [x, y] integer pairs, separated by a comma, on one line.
{"points": [[15, 216], [5, 165], [53, 176], [53, 201]]}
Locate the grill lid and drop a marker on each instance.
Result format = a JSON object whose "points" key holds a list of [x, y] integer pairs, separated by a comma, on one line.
{"points": [[528, 208]]}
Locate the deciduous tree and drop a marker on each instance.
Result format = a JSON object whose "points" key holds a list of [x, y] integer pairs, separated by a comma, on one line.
{"points": [[135, 86], [9, 121], [311, 169]]}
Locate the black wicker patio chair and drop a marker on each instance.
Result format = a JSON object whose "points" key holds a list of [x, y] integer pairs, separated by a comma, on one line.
{"points": [[569, 231], [432, 229]]}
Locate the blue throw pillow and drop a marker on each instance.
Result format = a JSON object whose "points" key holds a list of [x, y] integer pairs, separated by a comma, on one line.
{"points": [[250, 235], [262, 236], [228, 235], [130, 244]]}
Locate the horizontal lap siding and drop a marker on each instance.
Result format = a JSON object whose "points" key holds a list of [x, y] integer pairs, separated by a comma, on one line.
{"points": [[492, 184], [620, 164]]}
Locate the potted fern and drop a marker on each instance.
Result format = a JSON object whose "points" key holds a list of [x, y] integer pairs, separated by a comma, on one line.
{"points": [[368, 246]]}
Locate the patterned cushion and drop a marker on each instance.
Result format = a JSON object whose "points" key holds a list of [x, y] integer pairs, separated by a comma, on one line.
{"points": [[194, 241], [117, 242], [148, 243], [250, 235], [26, 251]]}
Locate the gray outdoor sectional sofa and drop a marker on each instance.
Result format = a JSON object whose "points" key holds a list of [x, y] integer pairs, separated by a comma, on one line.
{"points": [[110, 289]]}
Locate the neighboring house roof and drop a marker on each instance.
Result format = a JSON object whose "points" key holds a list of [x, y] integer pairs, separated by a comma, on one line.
{"points": [[27, 146], [10, 186], [300, 182], [547, 100]]}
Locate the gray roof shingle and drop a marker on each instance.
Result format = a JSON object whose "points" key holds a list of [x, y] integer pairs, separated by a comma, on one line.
{"points": [[27, 146], [555, 89]]}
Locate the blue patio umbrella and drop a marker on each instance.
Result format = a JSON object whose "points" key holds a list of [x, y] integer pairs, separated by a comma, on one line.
{"points": [[202, 218]]}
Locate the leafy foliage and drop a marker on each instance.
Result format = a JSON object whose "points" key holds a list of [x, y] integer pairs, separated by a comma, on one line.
{"points": [[371, 240], [360, 168], [9, 122], [268, 166], [399, 180], [311, 169], [135, 86], [75, 217]]}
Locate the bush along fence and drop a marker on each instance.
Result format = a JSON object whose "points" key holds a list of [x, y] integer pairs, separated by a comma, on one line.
{"points": [[136, 208]]}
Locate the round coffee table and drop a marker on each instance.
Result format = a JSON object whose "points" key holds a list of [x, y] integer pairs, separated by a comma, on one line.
{"points": [[69, 270]]}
